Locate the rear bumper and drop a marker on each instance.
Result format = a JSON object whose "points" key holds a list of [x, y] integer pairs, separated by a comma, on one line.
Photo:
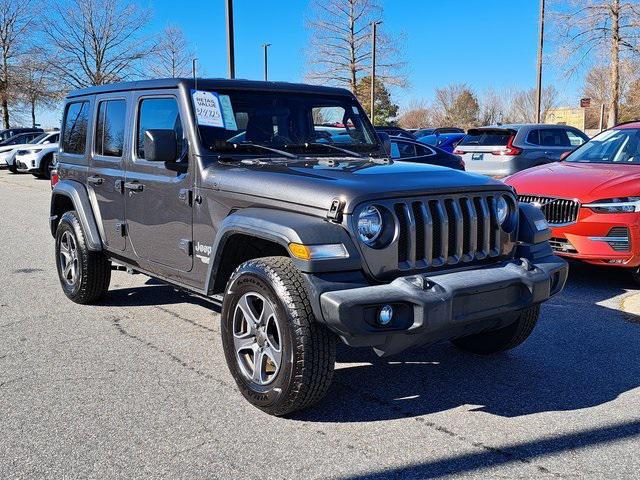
{"points": [[596, 239], [429, 308], [496, 166]]}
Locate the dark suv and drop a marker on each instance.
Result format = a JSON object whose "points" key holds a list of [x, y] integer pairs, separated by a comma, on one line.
{"points": [[238, 190]]}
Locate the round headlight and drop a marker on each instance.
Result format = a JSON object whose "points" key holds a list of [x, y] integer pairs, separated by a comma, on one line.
{"points": [[502, 209], [369, 224]]}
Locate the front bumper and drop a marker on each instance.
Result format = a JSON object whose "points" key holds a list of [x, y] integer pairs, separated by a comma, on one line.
{"points": [[26, 163], [429, 308], [596, 238]]}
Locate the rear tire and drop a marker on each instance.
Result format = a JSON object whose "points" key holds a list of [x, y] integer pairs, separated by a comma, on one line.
{"points": [[83, 274], [13, 168], [281, 358], [505, 338]]}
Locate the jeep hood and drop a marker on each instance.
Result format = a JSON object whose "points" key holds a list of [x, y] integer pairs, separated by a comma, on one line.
{"points": [[316, 182], [585, 182]]}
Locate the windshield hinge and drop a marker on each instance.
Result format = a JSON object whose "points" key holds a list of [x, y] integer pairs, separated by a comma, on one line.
{"points": [[185, 195], [335, 210]]}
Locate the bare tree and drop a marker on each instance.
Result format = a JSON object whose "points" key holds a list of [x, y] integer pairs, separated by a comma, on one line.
{"points": [[606, 28], [523, 106], [17, 19], [456, 105], [35, 85], [417, 115], [96, 41], [339, 52], [172, 56]]}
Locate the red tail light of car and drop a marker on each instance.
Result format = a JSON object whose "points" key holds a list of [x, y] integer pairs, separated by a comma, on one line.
{"points": [[54, 178], [458, 152], [509, 149]]}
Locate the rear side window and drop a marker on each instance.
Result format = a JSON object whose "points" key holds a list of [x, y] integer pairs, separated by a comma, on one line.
{"points": [[110, 128], [161, 114], [488, 138], [402, 150], [534, 137], [575, 139], [554, 137], [75, 124]]}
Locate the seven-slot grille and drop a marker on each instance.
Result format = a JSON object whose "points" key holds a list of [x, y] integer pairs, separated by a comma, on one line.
{"points": [[446, 230], [557, 211]]}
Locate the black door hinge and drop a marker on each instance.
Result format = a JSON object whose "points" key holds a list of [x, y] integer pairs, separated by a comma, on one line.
{"points": [[121, 228], [186, 246], [119, 186], [186, 196]]}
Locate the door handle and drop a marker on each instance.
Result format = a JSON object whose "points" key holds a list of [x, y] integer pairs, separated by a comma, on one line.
{"points": [[133, 186], [95, 180]]}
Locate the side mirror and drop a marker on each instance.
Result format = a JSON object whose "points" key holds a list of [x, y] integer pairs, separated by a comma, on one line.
{"points": [[160, 145], [565, 155], [386, 142]]}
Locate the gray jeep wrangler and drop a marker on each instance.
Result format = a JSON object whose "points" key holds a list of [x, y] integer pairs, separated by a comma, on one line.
{"points": [[281, 200]]}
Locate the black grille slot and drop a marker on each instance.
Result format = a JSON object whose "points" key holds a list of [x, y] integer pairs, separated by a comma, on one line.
{"points": [[447, 231], [403, 239], [420, 227], [557, 211]]}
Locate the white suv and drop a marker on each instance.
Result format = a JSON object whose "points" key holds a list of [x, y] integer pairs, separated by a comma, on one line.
{"points": [[35, 157]]}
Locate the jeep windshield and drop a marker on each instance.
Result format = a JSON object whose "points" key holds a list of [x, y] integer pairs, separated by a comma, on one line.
{"points": [[262, 124]]}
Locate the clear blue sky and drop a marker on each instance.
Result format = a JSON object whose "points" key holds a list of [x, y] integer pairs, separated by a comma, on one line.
{"points": [[488, 43]]}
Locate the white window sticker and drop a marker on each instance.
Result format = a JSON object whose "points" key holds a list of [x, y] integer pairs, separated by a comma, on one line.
{"points": [[355, 110], [227, 112], [208, 111]]}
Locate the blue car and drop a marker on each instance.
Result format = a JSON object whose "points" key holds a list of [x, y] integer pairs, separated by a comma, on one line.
{"points": [[444, 141], [406, 150]]}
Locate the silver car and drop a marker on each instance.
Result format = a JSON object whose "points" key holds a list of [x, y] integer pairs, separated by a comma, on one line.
{"points": [[503, 150]]}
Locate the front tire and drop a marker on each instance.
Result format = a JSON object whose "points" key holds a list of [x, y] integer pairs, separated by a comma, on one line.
{"points": [[83, 274], [505, 338], [281, 358]]}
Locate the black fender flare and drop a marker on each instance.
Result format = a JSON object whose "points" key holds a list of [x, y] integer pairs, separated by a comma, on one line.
{"points": [[285, 227], [77, 194]]}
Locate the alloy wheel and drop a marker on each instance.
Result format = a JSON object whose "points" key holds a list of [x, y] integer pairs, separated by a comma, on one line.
{"points": [[256, 338], [69, 258]]}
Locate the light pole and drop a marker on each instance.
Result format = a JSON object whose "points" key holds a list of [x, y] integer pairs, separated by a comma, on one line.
{"points": [[540, 47], [193, 70], [374, 26], [266, 60], [230, 45]]}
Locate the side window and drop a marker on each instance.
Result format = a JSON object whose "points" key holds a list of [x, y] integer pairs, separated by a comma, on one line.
{"points": [[75, 124], [161, 114], [575, 139], [534, 137], [110, 128], [424, 151], [554, 137], [402, 150]]}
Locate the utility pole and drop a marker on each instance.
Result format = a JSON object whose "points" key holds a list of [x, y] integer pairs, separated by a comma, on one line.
{"points": [[195, 76], [230, 45], [266, 60], [540, 48], [374, 26]]}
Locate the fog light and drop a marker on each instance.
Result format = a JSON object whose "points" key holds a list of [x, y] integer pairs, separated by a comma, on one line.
{"points": [[385, 315]]}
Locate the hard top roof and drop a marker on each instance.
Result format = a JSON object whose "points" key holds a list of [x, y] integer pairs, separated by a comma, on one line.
{"points": [[208, 84]]}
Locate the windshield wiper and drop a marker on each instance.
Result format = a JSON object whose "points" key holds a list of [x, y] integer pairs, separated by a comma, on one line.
{"points": [[269, 149], [327, 145]]}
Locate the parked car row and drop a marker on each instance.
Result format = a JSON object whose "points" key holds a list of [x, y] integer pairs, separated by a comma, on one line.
{"points": [[29, 152]]}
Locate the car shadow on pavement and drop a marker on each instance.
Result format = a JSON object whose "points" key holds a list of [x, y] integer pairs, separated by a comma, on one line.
{"points": [[580, 355], [525, 453], [154, 292]]}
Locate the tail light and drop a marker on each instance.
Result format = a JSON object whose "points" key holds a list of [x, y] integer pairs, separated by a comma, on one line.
{"points": [[509, 150], [54, 178], [458, 152]]}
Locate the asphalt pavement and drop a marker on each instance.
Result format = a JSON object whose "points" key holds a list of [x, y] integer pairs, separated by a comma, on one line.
{"points": [[138, 386]]}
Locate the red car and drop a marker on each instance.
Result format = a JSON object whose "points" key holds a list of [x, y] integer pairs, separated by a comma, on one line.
{"points": [[592, 199]]}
